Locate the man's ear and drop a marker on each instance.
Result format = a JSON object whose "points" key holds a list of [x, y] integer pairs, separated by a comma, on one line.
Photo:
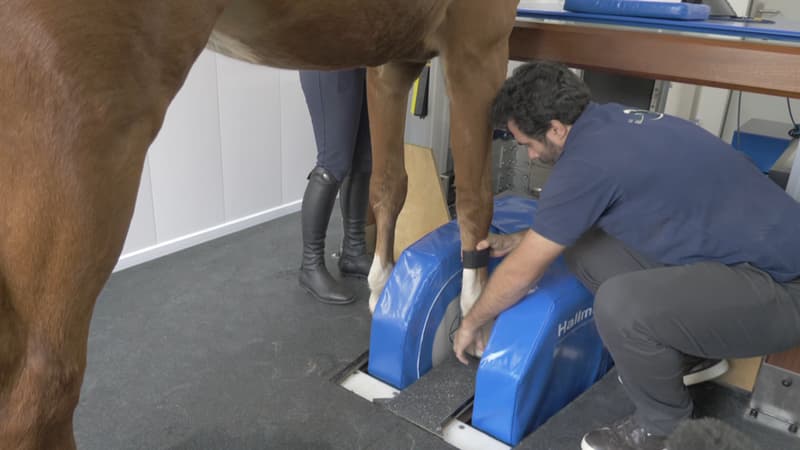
{"points": [[558, 132], [559, 129]]}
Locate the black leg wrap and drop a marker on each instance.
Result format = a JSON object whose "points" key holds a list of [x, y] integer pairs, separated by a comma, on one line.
{"points": [[475, 259]]}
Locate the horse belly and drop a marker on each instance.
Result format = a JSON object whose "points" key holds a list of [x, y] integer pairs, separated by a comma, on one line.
{"points": [[329, 34]]}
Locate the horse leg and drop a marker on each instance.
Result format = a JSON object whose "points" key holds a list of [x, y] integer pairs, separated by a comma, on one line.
{"points": [[387, 96], [78, 113], [63, 232], [475, 68]]}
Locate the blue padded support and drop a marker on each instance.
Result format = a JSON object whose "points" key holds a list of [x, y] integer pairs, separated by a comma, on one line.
{"points": [[544, 351], [529, 371], [426, 278]]}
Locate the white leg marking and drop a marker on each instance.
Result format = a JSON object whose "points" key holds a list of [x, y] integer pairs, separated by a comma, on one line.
{"points": [[471, 288], [377, 278]]}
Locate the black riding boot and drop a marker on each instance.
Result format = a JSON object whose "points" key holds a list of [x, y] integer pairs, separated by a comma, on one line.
{"points": [[316, 211], [355, 261]]}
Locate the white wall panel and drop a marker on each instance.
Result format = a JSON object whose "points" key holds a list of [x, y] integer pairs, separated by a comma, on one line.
{"points": [[185, 158], [680, 100], [234, 151], [250, 125], [142, 231], [710, 108], [298, 149]]}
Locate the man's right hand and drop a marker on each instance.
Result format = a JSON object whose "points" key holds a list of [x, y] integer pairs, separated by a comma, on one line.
{"points": [[501, 244]]}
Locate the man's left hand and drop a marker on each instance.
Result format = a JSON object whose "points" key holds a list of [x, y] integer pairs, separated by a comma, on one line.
{"points": [[465, 337]]}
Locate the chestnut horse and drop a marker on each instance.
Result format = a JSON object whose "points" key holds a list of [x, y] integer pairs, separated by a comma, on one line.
{"points": [[84, 86]]}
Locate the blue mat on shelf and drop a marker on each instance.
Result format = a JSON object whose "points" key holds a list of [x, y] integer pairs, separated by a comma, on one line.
{"points": [[777, 30], [660, 10]]}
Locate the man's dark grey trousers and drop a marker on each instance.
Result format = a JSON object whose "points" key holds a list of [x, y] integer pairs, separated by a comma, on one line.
{"points": [[650, 316]]}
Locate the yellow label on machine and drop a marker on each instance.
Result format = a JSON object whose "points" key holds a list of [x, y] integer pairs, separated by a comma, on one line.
{"points": [[419, 99]]}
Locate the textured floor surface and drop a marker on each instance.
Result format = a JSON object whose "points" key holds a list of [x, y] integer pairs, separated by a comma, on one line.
{"points": [[217, 347]]}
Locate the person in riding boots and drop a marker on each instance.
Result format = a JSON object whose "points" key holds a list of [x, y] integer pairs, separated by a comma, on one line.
{"points": [[337, 103]]}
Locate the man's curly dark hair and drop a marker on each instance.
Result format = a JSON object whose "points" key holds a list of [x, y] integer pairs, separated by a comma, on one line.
{"points": [[538, 92]]}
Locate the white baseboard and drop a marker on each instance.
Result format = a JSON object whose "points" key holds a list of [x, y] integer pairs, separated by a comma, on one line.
{"points": [[165, 248]]}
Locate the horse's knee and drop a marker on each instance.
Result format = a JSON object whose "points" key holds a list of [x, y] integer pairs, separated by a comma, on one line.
{"points": [[56, 376], [387, 193], [43, 396]]}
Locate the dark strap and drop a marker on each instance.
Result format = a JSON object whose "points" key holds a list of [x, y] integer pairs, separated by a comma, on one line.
{"points": [[475, 259]]}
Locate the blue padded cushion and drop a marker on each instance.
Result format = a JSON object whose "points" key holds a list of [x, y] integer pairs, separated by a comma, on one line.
{"points": [[660, 10]]}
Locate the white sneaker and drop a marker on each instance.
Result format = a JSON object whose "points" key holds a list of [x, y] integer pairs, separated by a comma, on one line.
{"points": [[705, 370], [700, 370]]}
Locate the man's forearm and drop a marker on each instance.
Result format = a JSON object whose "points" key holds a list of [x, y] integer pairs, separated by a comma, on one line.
{"points": [[508, 284], [513, 278], [503, 291]]}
